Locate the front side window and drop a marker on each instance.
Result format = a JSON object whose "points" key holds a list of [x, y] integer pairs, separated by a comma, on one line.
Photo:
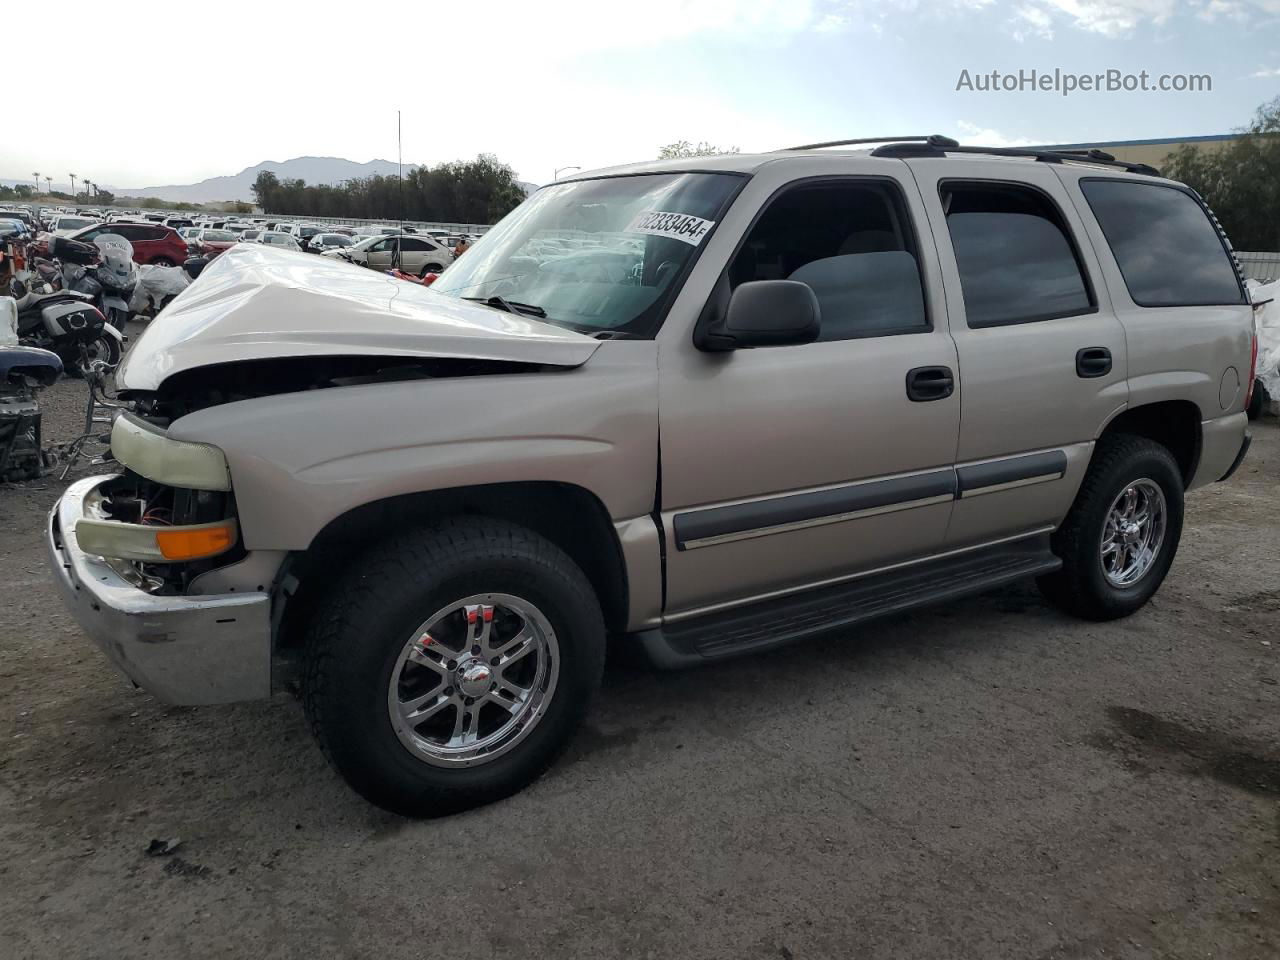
{"points": [[1016, 260], [1168, 252], [852, 243], [597, 255]]}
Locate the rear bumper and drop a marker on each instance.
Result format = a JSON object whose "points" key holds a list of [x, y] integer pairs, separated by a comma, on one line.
{"points": [[1220, 444], [184, 650], [1244, 449]]}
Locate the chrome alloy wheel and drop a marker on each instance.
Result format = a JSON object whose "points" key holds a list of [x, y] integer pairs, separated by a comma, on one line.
{"points": [[473, 680], [1133, 533]]}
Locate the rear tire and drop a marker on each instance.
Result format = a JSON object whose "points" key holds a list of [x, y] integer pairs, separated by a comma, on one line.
{"points": [[431, 268], [364, 643], [162, 262], [1096, 585]]}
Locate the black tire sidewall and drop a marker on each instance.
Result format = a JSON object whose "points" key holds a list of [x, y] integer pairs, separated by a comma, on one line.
{"points": [[1150, 462], [358, 732]]}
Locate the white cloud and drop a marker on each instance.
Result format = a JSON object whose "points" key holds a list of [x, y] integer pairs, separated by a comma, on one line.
{"points": [[971, 133], [1272, 72], [1116, 18], [1032, 21]]}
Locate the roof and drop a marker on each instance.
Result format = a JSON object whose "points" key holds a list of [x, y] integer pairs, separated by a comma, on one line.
{"points": [[750, 163]]}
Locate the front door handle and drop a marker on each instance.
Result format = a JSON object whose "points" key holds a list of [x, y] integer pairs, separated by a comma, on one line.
{"points": [[930, 383], [1093, 362]]}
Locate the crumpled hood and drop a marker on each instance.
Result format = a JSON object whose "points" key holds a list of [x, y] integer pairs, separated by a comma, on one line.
{"points": [[254, 302]]}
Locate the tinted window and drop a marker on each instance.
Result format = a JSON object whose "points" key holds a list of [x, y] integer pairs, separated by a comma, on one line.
{"points": [[128, 231], [1016, 261], [413, 244], [1168, 251], [852, 243]]}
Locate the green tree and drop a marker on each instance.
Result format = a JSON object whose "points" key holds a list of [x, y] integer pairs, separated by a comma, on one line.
{"points": [[265, 187], [1240, 181], [683, 148]]}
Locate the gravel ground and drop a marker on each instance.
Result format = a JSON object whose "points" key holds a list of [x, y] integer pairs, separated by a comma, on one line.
{"points": [[989, 779]]}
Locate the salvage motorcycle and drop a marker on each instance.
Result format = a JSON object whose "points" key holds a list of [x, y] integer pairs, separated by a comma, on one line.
{"points": [[67, 323], [103, 269]]}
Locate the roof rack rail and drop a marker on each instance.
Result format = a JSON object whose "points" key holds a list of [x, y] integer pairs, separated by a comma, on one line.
{"points": [[911, 148], [933, 140]]}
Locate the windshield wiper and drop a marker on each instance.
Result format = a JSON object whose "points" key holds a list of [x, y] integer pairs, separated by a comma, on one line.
{"points": [[511, 306]]}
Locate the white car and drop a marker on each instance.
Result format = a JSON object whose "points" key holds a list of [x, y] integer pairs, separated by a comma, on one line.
{"points": [[274, 238], [327, 241], [64, 226]]}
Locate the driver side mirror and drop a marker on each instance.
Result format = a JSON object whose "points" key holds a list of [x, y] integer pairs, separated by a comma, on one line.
{"points": [[765, 313]]}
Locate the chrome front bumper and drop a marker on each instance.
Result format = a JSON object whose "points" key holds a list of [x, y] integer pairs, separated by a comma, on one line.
{"points": [[185, 650]]}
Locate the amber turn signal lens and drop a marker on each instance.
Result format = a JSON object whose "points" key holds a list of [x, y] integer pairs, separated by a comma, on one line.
{"points": [[193, 544]]}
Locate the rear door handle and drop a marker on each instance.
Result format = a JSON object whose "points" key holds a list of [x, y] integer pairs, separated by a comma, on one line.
{"points": [[930, 383], [1093, 362]]}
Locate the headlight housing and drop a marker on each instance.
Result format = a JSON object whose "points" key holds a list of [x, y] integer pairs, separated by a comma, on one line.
{"points": [[147, 451]]}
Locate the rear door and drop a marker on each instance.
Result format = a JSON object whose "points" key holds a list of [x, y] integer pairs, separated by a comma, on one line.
{"points": [[1041, 353], [784, 467]]}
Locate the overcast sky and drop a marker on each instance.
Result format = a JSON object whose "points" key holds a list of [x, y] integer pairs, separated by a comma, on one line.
{"points": [[140, 94]]}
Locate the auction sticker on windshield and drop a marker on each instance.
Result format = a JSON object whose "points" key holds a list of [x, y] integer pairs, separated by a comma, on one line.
{"points": [[677, 226]]}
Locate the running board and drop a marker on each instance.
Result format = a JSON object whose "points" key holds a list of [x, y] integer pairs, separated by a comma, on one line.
{"points": [[772, 623]]}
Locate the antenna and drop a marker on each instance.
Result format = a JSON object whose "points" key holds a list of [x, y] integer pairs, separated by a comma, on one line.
{"points": [[400, 162]]}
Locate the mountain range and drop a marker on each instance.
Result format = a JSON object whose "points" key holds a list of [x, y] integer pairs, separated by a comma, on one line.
{"points": [[314, 170]]}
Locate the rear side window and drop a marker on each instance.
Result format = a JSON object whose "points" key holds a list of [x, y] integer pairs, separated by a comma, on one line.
{"points": [[1169, 253], [1016, 259]]}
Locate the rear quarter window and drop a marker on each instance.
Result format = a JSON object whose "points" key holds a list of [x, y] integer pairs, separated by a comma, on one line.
{"points": [[1169, 252]]}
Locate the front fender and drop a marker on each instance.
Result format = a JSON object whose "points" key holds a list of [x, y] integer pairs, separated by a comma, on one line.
{"points": [[300, 460]]}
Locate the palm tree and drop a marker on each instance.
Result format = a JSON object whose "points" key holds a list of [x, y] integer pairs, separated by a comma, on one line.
{"points": [[73, 185], [88, 189], [49, 184], [37, 176]]}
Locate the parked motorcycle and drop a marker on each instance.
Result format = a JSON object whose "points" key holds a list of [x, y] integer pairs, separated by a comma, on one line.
{"points": [[104, 269], [66, 322]]}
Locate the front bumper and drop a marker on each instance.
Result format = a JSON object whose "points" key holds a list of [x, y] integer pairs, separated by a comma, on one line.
{"points": [[184, 650]]}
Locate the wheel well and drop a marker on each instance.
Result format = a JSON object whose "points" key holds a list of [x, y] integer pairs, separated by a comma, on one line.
{"points": [[1174, 424], [571, 517]]}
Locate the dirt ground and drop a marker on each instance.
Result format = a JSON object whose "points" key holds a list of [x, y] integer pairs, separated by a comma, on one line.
{"points": [[985, 780]]}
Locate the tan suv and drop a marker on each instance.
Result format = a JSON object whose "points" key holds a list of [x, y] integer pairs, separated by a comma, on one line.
{"points": [[708, 407]]}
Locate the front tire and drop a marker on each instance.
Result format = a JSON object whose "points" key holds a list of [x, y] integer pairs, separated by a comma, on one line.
{"points": [[1119, 539], [162, 262], [452, 665]]}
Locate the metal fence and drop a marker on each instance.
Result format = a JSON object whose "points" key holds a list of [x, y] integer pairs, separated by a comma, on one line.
{"points": [[1259, 266]]}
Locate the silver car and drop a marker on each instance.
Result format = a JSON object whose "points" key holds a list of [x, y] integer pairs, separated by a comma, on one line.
{"points": [[703, 408], [418, 255]]}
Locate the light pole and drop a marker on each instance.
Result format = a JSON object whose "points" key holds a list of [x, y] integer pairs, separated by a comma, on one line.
{"points": [[73, 186], [559, 170]]}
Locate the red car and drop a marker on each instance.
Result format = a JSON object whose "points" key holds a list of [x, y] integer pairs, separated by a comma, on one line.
{"points": [[209, 243], [152, 242]]}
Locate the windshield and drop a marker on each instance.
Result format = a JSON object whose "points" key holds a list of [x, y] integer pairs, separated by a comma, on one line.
{"points": [[73, 223], [281, 239], [335, 240], [218, 236], [596, 255]]}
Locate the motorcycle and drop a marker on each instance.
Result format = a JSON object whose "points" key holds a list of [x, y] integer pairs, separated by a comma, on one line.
{"points": [[104, 269], [117, 274], [65, 322]]}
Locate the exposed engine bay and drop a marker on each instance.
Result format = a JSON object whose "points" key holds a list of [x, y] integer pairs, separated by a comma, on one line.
{"points": [[211, 386]]}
